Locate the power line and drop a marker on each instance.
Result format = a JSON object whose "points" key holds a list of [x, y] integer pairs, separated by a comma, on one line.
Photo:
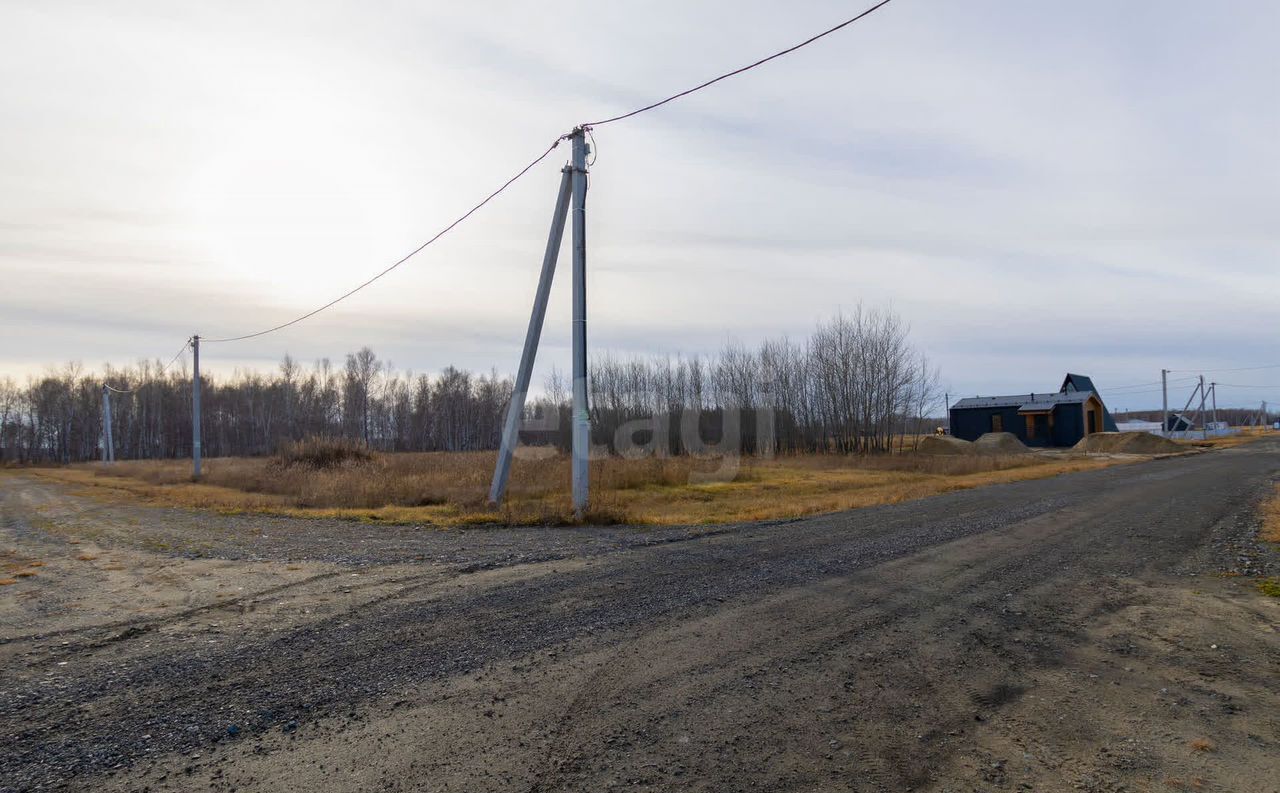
{"points": [[162, 370], [1121, 388], [746, 68], [1236, 369], [176, 356], [537, 160], [403, 259]]}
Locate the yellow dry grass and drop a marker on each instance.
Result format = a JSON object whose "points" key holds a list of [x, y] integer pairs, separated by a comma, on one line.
{"points": [[451, 488], [1241, 436], [1271, 517]]}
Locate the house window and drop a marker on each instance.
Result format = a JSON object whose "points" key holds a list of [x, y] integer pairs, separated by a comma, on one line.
{"points": [[1031, 428], [997, 423]]}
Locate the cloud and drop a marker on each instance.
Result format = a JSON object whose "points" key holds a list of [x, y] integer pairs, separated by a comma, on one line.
{"points": [[1035, 188]]}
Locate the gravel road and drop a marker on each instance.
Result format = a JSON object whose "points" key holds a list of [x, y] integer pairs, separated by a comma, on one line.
{"points": [[1097, 631]]}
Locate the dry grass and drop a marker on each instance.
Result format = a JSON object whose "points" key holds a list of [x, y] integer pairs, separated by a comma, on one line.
{"points": [[1270, 530], [1202, 745], [1242, 436], [451, 488], [16, 566]]}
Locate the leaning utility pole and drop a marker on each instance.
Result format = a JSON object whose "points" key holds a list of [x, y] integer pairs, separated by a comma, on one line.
{"points": [[1204, 428], [573, 189], [108, 447], [581, 421], [195, 407], [515, 410], [1164, 389]]}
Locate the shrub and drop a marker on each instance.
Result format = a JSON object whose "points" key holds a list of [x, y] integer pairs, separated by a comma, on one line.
{"points": [[323, 453]]}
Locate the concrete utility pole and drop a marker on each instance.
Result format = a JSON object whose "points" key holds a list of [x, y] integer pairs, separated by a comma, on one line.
{"points": [[108, 447], [1164, 389], [515, 411], [573, 190], [1213, 392], [1204, 428], [581, 421], [195, 407]]}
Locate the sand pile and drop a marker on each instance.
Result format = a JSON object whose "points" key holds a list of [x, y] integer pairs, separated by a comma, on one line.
{"points": [[1000, 443], [944, 444], [1127, 443]]}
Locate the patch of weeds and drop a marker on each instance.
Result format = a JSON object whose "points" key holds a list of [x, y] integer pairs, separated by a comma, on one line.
{"points": [[26, 574], [86, 557], [1202, 745], [1270, 587], [8, 581]]}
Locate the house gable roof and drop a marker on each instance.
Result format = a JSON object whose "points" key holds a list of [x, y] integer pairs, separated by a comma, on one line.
{"points": [[1077, 382], [1025, 401]]}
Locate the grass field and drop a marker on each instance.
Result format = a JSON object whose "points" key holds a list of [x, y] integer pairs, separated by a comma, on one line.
{"points": [[451, 488], [1271, 517], [1241, 435]]}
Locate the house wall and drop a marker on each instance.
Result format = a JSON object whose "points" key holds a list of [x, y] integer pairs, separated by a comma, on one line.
{"points": [[969, 424], [1068, 424], [972, 423]]}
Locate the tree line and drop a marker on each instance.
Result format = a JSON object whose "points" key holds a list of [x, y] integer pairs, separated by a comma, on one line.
{"points": [[855, 385]]}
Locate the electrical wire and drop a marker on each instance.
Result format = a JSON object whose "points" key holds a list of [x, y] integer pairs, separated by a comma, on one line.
{"points": [[176, 356], [1236, 369], [746, 68], [164, 368], [1175, 381], [538, 159], [403, 259]]}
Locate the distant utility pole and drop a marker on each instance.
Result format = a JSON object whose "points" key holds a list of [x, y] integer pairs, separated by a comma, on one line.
{"points": [[1204, 428], [573, 190], [1164, 389], [1213, 392], [108, 447], [195, 407], [1182, 414]]}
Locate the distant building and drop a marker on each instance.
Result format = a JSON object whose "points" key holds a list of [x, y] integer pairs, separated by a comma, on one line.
{"points": [[1179, 423], [1139, 426], [1058, 418]]}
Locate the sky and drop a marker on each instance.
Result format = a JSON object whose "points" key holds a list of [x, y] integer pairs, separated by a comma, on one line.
{"points": [[1034, 187]]}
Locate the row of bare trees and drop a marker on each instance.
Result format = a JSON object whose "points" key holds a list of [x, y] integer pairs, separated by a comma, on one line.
{"points": [[854, 386]]}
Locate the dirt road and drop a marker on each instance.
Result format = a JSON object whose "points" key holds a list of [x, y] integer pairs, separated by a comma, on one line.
{"points": [[1074, 633]]}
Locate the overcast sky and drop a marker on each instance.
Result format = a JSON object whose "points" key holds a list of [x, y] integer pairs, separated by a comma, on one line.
{"points": [[1035, 187]]}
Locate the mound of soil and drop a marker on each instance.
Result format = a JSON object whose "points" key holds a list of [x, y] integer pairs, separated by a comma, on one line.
{"points": [[944, 444], [1000, 443], [1127, 443]]}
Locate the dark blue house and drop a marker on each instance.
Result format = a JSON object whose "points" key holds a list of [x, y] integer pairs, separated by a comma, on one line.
{"points": [[1058, 418]]}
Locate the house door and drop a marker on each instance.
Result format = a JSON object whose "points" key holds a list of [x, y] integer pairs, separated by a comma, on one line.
{"points": [[1093, 421]]}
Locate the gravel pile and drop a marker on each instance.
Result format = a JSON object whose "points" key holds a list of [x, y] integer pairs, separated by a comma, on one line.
{"points": [[1000, 443], [1128, 443], [945, 444]]}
